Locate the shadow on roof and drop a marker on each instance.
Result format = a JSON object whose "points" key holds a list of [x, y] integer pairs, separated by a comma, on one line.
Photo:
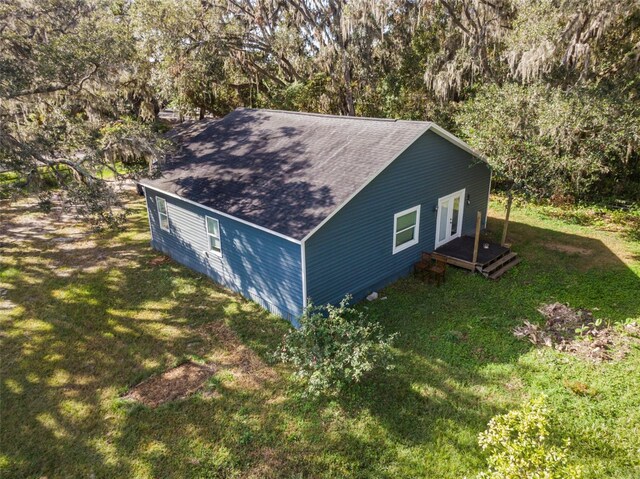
{"points": [[251, 173]]}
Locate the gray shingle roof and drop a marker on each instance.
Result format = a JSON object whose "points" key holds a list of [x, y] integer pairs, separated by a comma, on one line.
{"points": [[284, 171]]}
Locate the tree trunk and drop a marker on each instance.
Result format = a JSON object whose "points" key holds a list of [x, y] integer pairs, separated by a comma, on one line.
{"points": [[348, 97], [201, 115]]}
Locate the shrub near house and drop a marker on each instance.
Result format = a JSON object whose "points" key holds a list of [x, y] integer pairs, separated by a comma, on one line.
{"points": [[335, 346]]}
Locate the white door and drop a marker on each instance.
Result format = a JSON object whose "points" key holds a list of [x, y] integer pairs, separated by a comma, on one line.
{"points": [[449, 219]]}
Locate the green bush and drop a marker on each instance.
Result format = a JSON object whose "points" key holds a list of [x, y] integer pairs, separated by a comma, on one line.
{"points": [[519, 446], [334, 346]]}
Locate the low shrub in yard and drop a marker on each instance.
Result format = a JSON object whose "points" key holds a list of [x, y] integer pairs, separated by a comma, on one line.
{"points": [[519, 446], [334, 346]]}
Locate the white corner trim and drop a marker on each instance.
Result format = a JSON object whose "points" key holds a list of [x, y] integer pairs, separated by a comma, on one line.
{"points": [[226, 215], [303, 259], [431, 126], [416, 229]]}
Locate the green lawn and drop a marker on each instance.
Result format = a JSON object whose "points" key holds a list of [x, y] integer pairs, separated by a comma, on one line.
{"points": [[84, 317]]}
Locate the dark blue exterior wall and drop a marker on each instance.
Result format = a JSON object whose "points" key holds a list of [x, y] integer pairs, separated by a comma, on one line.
{"points": [[352, 252], [257, 264]]}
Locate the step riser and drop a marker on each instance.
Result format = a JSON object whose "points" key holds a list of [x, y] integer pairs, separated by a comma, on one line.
{"points": [[504, 269], [499, 263]]}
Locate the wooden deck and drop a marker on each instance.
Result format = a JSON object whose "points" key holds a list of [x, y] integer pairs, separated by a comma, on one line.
{"points": [[492, 261]]}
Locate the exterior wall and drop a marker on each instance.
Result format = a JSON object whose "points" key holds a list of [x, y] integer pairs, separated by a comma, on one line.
{"points": [[262, 267], [352, 252]]}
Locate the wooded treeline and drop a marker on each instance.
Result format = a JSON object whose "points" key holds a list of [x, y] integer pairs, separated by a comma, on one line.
{"points": [[546, 89]]}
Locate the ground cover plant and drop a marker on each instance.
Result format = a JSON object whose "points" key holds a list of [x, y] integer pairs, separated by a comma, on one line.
{"points": [[85, 317]]}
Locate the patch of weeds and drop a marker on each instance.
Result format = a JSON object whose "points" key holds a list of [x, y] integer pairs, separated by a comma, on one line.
{"points": [[246, 437], [127, 406], [190, 358], [622, 220], [579, 388], [454, 336], [219, 462], [223, 377], [577, 332]]}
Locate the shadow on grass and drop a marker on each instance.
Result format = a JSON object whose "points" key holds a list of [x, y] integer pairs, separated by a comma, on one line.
{"points": [[457, 356], [85, 319]]}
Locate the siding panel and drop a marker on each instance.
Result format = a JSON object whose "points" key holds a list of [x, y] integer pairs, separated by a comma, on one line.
{"points": [[352, 252], [254, 263]]}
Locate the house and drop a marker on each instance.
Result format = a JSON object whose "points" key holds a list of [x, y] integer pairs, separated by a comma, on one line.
{"points": [[283, 207]]}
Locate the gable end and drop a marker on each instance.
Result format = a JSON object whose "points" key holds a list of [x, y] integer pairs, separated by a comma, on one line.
{"points": [[431, 127]]}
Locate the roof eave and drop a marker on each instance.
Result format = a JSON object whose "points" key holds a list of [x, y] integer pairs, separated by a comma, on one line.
{"points": [[146, 184]]}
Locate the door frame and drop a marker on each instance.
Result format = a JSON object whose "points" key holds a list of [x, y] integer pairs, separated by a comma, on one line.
{"points": [[461, 194]]}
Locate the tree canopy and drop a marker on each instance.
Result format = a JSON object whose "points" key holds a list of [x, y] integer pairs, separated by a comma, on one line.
{"points": [[546, 89]]}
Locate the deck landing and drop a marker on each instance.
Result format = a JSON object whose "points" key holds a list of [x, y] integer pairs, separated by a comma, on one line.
{"points": [[492, 261], [462, 249]]}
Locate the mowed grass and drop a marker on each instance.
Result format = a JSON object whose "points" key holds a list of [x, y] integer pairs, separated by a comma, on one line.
{"points": [[86, 316]]}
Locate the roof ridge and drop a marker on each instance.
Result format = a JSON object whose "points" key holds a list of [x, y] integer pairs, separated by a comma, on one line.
{"points": [[328, 115]]}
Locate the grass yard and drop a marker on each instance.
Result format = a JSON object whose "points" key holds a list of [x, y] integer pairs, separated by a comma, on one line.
{"points": [[86, 316]]}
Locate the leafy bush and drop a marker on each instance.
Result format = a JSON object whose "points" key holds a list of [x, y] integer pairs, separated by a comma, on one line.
{"points": [[519, 446], [334, 346]]}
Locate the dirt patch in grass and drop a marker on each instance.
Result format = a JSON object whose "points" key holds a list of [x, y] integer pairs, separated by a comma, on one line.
{"points": [[575, 331], [570, 249], [177, 383], [70, 244], [248, 369], [159, 260], [5, 304], [268, 461]]}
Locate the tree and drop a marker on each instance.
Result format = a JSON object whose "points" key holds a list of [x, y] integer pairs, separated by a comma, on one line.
{"points": [[68, 73], [81, 81], [189, 52]]}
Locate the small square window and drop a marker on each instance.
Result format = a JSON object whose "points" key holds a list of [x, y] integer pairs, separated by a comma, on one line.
{"points": [[213, 233], [406, 226], [163, 215]]}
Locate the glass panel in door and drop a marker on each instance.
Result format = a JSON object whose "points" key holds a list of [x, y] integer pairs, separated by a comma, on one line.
{"points": [[444, 219], [454, 216]]}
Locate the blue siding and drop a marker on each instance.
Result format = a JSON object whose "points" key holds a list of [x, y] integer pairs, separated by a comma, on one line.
{"points": [[352, 252], [262, 267]]}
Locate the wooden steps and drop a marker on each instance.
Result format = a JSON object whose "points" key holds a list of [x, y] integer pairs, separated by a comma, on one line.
{"points": [[504, 269], [500, 265]]}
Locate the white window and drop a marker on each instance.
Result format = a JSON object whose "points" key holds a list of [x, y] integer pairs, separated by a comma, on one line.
{"points": [[213, 232], [406, 226], [163, 215]]}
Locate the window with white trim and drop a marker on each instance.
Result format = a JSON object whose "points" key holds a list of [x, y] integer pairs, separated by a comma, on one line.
{"points": [[163, 215], [406, 226], [213, 232]]}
